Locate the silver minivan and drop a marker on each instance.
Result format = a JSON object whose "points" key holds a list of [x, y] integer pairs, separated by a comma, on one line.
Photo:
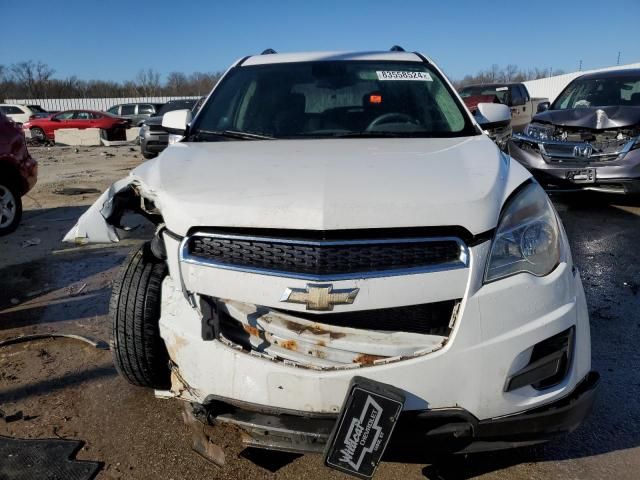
{"points": [[136, 112]]}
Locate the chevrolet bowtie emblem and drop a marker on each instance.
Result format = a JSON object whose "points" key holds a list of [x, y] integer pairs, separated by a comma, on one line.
{"points": [[319, 297]]}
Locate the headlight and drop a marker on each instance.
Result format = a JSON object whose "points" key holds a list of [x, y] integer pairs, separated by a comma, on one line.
{"points": [[528, 237], [539, 131]]}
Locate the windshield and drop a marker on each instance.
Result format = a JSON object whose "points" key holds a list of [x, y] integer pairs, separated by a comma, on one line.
{"points": [[333, 99], [37, 108], [501, 92], [179, 105], [600, 92]]}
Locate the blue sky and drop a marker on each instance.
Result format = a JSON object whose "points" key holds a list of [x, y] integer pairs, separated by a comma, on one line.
{"points": [[114, 39]]}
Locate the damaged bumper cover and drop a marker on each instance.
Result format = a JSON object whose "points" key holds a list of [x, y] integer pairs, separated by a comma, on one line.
{"points": [[418, 433], [568, 166]]}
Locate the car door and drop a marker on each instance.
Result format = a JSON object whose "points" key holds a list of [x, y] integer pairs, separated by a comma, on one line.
{"points": [[82, 119], [517, 104]]}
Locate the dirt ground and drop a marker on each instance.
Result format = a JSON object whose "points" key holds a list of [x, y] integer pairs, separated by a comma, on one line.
{"points": [[69, 389]]}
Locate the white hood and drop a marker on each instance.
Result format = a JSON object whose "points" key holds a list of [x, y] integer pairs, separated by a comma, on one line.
{"points": [[329, 184]]}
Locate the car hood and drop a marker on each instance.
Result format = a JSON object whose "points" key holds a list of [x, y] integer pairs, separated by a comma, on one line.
{"points": [[329, 184], [596, 118], [157, 120]]}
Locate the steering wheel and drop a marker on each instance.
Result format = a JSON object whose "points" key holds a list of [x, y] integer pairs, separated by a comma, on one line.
{"points": [[395, 117]]}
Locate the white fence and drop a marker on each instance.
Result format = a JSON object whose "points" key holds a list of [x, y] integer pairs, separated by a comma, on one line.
{"points": [[552, 86], [58, 104]]}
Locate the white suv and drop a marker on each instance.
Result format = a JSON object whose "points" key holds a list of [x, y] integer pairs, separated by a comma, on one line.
{"points": [[345, 262], [21, 113]]}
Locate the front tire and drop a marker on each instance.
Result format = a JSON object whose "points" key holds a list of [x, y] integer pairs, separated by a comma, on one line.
{"points": [[10, 207], [139, 352], [38, 134]]}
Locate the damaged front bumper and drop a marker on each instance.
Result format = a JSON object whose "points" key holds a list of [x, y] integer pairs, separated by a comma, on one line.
{"points": [[303, 363], [607, 173], [418, 433]]}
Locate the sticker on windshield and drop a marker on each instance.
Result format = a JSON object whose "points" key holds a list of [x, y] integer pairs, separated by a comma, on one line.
{"points": [[404, 75]]}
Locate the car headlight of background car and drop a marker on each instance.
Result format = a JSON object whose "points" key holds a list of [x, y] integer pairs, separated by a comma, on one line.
{"points": [[539, 131], [528, 237]]}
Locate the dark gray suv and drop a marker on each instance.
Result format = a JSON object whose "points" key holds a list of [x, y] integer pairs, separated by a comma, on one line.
{"points": [[154, 138]]}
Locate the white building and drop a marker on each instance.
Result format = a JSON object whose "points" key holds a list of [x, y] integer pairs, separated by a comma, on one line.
{"points": [[550, 87]]}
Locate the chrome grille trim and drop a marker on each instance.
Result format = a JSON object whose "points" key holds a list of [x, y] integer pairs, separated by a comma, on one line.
{"points": [[461, 262]]}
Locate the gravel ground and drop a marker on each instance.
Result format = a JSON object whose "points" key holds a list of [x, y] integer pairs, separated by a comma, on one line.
{"points": [[71, 390]]}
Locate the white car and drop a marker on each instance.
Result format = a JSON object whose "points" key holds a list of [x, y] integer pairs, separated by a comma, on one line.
{"points": [[20, 113], [345, 262]]}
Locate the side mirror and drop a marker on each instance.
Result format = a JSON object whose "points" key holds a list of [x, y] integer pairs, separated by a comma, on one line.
{"points": [[493, 115], [543, 107], [176, 121]]}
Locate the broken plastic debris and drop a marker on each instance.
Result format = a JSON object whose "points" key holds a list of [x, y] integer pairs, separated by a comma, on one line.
{"points": [[30, 242]]}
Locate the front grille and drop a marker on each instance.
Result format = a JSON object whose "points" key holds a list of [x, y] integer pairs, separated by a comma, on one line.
{"points": [[427, 319], [318, 259]]}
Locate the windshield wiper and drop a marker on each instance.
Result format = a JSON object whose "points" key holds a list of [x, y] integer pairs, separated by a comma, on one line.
{"points": [[235, 134], [371, 134]]}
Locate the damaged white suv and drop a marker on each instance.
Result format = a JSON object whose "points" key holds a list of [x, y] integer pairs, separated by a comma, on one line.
{"points": [[344, 263]]}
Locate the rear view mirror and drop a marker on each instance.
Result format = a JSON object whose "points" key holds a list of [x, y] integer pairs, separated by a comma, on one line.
{"points": [[492, 115], [543, 107], [176, 121]]}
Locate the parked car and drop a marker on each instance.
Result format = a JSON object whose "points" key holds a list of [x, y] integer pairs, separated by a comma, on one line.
{"points": [[18, 173], [589, 138], [135, 112], [22, 113], [44, 128], [514, 95], [343, 261], [154, 138]]}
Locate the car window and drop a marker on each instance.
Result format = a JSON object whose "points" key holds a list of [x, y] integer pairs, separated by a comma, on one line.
{"points": [[82, 116], [500, 92], [95, 116], [64, 115], [516, 95], [523, 92], [128, 110], [145, 109], [334, 98], [114, 110], [11, 110]]}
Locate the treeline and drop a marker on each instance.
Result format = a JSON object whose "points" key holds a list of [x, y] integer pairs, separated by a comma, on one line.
{"points": [[35, 80], [510, 73]]}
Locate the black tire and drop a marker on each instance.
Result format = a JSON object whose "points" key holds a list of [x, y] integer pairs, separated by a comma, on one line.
{"points": [[139, 352], [10, 206], [149, 155], [38, 134]]}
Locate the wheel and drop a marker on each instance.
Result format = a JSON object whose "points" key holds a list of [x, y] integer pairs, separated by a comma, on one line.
{"points": [[149, 155], [139, 352], [10, 207], [38, 134]]}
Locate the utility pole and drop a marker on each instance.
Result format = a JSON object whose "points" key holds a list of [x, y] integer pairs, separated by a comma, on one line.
{"points": [[618, 59]]}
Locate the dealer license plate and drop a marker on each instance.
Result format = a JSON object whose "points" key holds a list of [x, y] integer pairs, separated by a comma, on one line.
{"points": [[585, 175], [363, 430]]}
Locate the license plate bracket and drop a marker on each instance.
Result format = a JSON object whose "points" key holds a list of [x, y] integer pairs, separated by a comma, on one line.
{"points": [[368, 417], [583, 175]]}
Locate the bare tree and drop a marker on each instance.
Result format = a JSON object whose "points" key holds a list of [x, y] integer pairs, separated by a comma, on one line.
{"points": [[35, 76], [176, 83], [148, 82]]}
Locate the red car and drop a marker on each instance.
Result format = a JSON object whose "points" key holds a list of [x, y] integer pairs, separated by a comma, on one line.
{"points": [[44, 128], [18, 173]]}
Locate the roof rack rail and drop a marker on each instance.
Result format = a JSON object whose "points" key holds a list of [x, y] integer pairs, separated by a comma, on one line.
{"points": [[268, 51], [396, 48]]}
